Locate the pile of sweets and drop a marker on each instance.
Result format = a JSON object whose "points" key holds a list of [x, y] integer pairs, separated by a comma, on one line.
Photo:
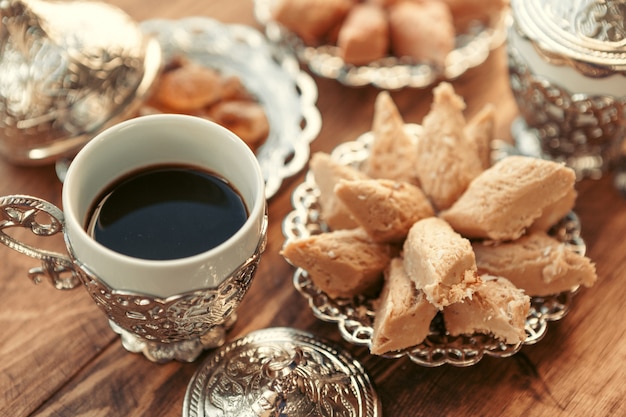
{"points": [[426, 224], [369, 30]]}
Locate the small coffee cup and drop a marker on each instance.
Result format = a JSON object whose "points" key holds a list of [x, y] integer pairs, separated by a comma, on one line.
{"points": [[166, 308]]}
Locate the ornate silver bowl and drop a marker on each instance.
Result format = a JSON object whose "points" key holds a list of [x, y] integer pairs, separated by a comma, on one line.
{"points": [[471, 49], [273, 76], [354, 317]]}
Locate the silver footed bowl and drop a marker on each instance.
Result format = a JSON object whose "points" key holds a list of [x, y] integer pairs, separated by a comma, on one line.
{"points": [[272, 75], [391, 73], [355, 317]]}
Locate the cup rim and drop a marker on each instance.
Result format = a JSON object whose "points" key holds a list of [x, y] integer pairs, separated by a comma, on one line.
{"points": [[82, 158]]}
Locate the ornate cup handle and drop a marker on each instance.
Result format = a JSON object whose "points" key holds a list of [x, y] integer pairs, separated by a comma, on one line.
{"points": [[43, 219]]}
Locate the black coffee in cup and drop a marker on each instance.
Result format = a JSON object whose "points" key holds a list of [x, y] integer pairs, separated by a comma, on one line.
{"points": [[166, 212]]}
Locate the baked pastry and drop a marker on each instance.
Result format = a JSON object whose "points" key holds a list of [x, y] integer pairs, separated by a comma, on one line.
{"points": [[385, 209], [327, 174], [403, 315], [537, 263], [246, 119], [497, 307], [186, 86], [422, 31], [439, 270], [506, 199], [233, 89], [555, 212], [440, 262], [393, 153], [364, 35], [480, 131], [312, 20], [342, 263], [446, 160]]}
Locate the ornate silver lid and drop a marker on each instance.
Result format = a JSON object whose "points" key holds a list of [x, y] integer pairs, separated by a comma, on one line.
{"points": [[588, 35], [69, 69], [280, 372]]}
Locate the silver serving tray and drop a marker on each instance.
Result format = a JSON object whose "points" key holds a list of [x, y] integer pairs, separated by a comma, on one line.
{"points": [[391, 73], [355, 317], [271, 74]]}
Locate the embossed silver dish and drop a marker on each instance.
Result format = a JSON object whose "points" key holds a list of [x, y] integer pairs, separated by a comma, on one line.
{"points": [[273, 76], [354, 317], [471, 50], [280, 372]]}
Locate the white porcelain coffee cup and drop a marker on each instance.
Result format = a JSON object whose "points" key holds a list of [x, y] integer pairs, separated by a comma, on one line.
{"points": [[156, 305]]}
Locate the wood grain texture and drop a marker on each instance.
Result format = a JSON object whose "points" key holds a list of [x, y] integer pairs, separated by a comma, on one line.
{"points": [[58, 356]]}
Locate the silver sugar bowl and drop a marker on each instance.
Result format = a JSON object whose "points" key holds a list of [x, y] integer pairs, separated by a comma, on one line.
{"points": [[567, 61], [69, 70]]}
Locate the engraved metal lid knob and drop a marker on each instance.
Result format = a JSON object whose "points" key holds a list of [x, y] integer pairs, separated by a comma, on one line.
{"points": [[69, 69], [280, 372], [567, 61]]}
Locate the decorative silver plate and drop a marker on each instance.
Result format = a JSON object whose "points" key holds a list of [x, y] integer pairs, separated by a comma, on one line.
{"points": [[471, 50], [281, 372], [355, 317], [272, 75]]}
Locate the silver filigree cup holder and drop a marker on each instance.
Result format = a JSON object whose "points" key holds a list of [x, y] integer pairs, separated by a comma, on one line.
{"points": [[567, 65], [167, 309], [178, 327]]}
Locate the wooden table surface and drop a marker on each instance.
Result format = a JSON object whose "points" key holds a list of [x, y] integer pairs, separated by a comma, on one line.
{"points": [[58, 356]]}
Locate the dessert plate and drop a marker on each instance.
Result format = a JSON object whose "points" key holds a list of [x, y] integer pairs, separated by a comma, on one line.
{"points": [[272, 75], [355, 317], [391, 73]]}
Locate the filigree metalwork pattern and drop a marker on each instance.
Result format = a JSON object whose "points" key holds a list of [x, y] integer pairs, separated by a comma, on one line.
{"points": [[587, 35], [59, 87], [354, 317], [584, 131], [391, 73], [42, 219], [280, 372], [177, 318], [178, 327]]}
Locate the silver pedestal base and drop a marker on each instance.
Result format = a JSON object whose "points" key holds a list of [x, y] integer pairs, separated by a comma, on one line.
{"points": [[183, 351]]}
